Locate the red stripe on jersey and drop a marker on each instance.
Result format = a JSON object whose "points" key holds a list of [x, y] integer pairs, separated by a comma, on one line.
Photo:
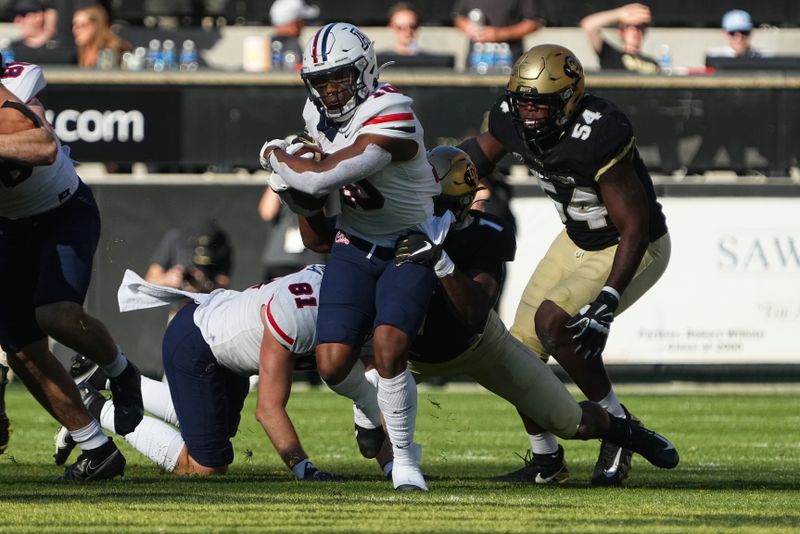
{"points": [[389, 118], [284, 336]]}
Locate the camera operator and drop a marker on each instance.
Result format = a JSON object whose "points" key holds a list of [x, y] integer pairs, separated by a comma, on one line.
{"points": [[196, 259]]}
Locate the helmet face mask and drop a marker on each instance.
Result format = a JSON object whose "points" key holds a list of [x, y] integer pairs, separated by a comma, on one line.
{"points": [[335, 88], [339, 69], [458, 177], [546, 78]]}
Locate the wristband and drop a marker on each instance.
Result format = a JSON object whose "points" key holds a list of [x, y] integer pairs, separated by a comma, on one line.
{"points": [[444, 266], [613, 291]]}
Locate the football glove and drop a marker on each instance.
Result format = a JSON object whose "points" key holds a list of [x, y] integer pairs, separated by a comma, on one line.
{"points": [[418, 248], [592, 324], [277, 183], [277, 143]]}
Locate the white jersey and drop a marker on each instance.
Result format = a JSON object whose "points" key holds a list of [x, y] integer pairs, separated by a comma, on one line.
{"points": [[48, 186], [233, 322], [398, 197]]}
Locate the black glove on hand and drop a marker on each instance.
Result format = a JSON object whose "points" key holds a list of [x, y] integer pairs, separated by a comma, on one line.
{"points": [[418, 248], [592, 324]]}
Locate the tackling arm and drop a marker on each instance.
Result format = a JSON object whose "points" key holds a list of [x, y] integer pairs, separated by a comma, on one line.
{"points": [[471, 298], [274, 386], [366, 156], [316, 232]]}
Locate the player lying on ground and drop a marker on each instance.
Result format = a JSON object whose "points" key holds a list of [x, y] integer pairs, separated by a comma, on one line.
{"points": [[210, 349], [462, 335]]}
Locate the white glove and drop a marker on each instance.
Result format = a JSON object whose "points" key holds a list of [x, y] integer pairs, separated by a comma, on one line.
{"points": [[277, 143], [276, 183]]}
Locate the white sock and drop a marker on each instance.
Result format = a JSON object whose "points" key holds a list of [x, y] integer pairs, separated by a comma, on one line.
{"points": [[89, 437], [364, 395], [397, 398], [544, 443], [116, 367], [611, 404], [153, 438], [158, 401]]}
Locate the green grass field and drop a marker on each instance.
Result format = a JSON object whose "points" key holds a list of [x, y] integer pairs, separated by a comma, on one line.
{"points": [[739, 472]]}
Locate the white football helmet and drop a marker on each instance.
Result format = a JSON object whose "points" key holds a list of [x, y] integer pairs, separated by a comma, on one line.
{"points": [[339, 69]]}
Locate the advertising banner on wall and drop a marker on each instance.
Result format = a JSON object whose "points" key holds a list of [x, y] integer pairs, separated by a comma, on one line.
{"points": [[731, 293]]}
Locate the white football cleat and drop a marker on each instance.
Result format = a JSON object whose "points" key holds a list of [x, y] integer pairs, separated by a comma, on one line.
{"points": [[406, 474]]}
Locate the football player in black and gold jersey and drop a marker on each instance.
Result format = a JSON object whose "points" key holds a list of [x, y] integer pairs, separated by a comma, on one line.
{"points": [[614, 245], [462, 335]]}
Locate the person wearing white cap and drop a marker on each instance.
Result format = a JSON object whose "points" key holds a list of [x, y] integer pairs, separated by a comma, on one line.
{"points": [[737, 25], [288, 18]]}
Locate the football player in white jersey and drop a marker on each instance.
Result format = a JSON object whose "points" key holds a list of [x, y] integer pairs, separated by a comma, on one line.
{"points": [[49, 229], [211, 348], [375, 161]]}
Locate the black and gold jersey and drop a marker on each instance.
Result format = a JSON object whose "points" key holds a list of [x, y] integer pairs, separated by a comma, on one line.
{"points": [[484, 245], [599, 136]]}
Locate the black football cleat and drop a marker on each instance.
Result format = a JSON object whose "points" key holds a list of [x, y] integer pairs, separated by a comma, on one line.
{"points": [[94, 402], [126, 390], [539, 469], [64, 445], [614, 461], [370, 440], [82, 369], [655, 448], [103, 463]]}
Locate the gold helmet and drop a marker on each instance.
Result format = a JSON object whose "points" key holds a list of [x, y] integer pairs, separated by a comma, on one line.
{"points": [[548, 75], [459, 179]]}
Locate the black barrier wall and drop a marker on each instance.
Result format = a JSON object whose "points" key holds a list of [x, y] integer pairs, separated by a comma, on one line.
{"points": [[220, 120], [134, 219]]}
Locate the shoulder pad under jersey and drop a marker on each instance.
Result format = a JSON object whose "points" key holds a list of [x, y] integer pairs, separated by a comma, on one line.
{"points": [[385, 108], [291, 312]]}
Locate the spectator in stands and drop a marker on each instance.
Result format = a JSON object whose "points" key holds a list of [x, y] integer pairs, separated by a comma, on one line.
{"points": [[288, 18], [497, 21], [39, 42], [737, 26], [197, 259], [631, 21], [93, 34], [404, 19]]}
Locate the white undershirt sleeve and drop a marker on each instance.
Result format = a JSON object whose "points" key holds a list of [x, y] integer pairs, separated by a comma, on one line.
{"points": [[351, 170]]}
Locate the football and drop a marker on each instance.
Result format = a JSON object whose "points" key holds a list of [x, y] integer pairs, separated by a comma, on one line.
{"points": [[311, 152]]}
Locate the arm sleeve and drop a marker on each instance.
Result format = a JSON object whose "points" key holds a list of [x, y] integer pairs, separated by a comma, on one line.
{"points": [[351, 170]]}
